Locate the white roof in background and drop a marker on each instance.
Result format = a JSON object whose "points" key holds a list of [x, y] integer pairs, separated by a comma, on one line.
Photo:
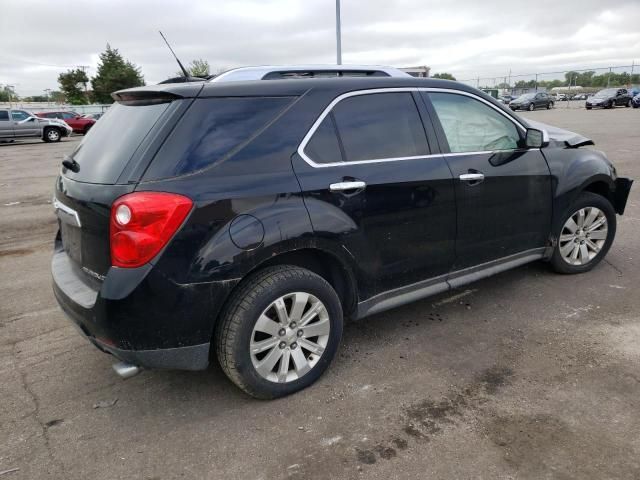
{"points": [[257, 73]]}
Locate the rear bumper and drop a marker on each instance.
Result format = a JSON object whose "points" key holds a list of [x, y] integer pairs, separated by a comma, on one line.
{"points": [[140, 316]]}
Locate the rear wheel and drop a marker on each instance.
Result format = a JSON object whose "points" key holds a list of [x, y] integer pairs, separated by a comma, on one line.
{"points": [[549, 105], [279, 332], [51, 134], [586, 234]]}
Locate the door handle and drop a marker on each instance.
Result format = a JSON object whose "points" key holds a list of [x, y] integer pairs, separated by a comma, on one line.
{"points": [[472, 177], [343, 186]]}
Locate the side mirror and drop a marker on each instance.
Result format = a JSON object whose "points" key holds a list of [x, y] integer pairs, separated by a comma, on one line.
{"points": [[536, 138]]}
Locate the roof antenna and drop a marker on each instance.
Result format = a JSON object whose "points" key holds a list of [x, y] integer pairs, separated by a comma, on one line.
{"points": [[184, 70]]}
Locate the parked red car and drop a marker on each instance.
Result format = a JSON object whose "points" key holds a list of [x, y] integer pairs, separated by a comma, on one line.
{"points": [[79, 123]]}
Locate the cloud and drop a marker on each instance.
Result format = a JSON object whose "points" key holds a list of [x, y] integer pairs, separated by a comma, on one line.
{"points": [[41, 38]]}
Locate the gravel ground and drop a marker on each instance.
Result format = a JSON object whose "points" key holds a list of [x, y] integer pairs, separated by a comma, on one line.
{"points": [[525, 375]]}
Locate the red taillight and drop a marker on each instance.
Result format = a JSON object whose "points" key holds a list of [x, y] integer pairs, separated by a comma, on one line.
{"points": [[142, 223]]}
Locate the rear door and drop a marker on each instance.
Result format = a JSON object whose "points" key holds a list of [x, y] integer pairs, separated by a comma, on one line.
{"points": [[372, 183], [6, 125], [503, 191]]}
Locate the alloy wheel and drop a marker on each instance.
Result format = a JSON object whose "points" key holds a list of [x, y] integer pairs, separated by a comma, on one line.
{"points": [[53, 135], [583, 236], [290, 337]]}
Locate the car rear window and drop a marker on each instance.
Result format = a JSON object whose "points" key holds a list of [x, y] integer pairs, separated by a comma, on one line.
{"points": [[213, 129], [107, 149]]}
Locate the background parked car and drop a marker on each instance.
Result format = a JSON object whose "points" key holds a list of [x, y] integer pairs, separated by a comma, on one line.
{"points": [[531, 101], [94, 116], [79, 123], [635, 102], [17, 124], [609, 98]]}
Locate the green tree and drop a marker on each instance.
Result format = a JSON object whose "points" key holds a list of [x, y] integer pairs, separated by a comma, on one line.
{"points": [[73, 84], [7, 94], [114, 73], [444, 75], [197, 68]]}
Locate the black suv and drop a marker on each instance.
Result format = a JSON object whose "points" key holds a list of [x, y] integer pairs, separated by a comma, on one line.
{"points": [[245, 220], [609, 98], [531, 101]]}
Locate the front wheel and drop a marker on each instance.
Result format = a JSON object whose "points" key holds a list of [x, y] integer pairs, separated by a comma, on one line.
{"points": [[586, 234], [51, 135], [531, 107], [628, 104], [279, 332], [549, 105]]}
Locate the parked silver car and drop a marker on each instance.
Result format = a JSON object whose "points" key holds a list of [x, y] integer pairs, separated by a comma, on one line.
{"points": [[17, 124]]}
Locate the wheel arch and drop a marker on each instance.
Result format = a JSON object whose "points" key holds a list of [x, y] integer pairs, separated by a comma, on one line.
{"points": [[323, 263]]}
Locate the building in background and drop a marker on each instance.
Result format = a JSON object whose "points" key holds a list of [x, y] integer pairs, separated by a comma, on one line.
{"points": [[422, 72]]}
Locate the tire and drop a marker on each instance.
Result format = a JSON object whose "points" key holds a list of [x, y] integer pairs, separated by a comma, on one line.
{"points": [[254, 302], [531, 107], [610, 105], [51, 135], [549, 105], [628, 104], [589, 203], [588, 108], [86, 129]]}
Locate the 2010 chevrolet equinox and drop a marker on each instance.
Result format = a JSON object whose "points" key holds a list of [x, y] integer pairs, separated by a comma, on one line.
{"points": [[245, 220]]}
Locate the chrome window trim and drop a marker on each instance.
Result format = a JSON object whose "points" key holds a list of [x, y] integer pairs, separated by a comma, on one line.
{"points": [[372, 91]]}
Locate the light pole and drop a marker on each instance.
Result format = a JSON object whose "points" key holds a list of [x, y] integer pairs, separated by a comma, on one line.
{"points": [[338, 35], [47, 91]]}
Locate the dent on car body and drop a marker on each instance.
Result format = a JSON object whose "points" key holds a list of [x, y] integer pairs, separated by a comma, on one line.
{"points": [[570, 139]]}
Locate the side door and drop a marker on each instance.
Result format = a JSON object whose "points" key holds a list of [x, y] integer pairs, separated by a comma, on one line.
{"points": [[503, 190], [22, 125], [622, 97], [538, 101], [373, 185], [70, 118], [6, 125]]}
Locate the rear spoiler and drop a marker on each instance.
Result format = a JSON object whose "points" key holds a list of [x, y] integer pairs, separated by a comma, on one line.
{"points": [[157, 93]]}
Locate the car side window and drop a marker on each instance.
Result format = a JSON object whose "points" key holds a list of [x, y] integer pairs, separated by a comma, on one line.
{"points": [[19, 115], [324, 146], [471, 126], [4, 115], [68, 116], [380, 126]]}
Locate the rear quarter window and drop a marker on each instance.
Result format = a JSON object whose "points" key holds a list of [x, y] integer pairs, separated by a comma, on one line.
{"points": [[211, 130]]}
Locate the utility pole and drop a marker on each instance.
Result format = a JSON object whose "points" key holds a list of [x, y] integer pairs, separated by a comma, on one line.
{"points": [[338, 35], [47, 91]]}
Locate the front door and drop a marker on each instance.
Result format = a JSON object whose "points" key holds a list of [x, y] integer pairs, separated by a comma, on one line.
{"points": [[24, 125], [372, 185], [503, 190]]}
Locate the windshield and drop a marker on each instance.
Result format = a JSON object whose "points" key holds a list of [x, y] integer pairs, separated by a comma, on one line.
{"points": [[605, 93]]}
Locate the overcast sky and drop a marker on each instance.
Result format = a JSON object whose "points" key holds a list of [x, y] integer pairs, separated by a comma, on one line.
{"points": [[41, 38]]}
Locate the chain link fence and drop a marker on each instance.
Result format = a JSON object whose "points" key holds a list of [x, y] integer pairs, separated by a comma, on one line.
{"points": [[570, 83]]}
